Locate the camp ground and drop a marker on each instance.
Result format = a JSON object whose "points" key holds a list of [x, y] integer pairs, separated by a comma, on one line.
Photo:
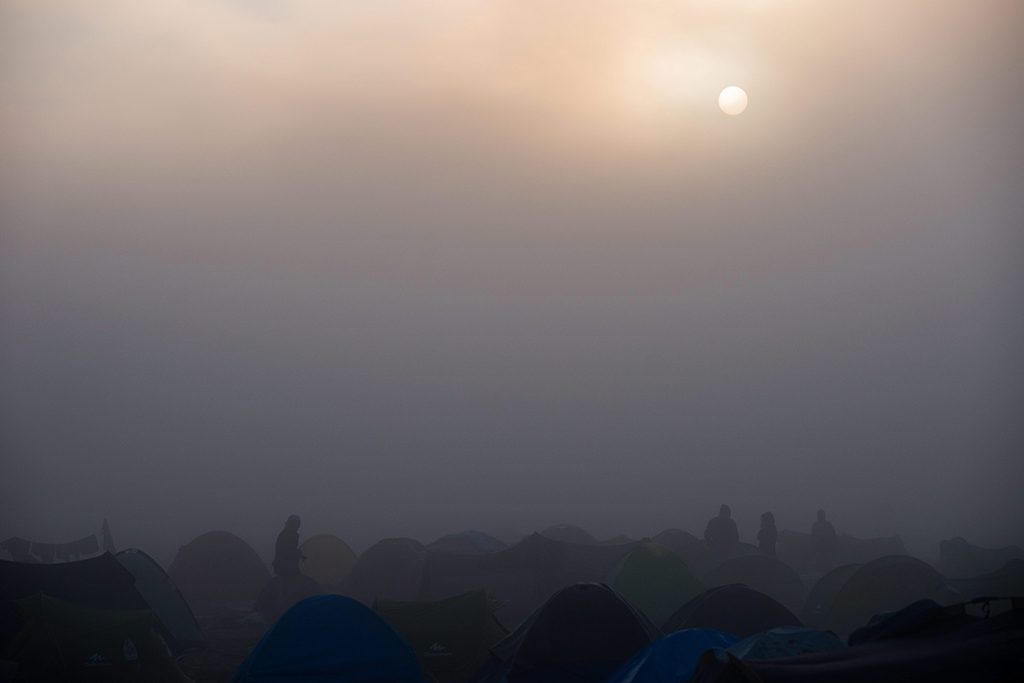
{"points": [[467, 608]]}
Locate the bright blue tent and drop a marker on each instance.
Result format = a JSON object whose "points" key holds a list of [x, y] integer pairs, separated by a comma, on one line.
{"points": [[787, 641], [330, 637], [673, 658]]}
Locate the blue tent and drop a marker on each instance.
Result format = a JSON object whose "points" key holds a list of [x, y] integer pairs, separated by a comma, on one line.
{"points": [[330, 637], [787, 641], [673, 658]]}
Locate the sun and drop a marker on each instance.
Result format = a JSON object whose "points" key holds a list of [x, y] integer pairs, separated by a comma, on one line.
{"points": [[733, 100]]}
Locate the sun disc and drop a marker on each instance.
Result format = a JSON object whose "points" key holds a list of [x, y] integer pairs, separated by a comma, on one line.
{"points": [[732, 100]]}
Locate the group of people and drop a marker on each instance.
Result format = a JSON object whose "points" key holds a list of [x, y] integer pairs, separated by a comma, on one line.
{"points": [[721, 534]]}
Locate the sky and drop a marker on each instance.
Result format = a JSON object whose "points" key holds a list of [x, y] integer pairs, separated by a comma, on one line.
{"points": [[410, 267]]}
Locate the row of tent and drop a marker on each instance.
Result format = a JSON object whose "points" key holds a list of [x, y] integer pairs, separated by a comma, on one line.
{"points": [[590, 633], [126, 614], [219, 567]]}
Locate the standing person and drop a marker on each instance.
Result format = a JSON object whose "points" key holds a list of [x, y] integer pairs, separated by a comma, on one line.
{"points": [[767, 535], [721, 532], [823, 542], [286, 550]]}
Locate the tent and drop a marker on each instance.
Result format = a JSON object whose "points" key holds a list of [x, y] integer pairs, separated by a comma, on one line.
{"points": [[978, 650], [99, 581], [327, 559], [218, 568], [786, 641], [655, 580], [702, 559], [884, 585], [567, 533], [960, 559], [853, 550], [452, 638], [330, 637], [467, 543], [1005, 582], [819, 601], [391, 569], [762, 573], [734, 609], [527, 574], [64, 641], [673, 658], [677, 540], [583, 633], [173, 614]]}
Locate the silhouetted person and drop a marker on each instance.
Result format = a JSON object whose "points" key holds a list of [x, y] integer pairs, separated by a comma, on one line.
{"points": [[767, 535], [286, 550], [823, 542], [721, 532]]}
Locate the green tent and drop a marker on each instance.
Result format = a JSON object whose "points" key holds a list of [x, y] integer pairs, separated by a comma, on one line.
{"points": [[178, 624], [655, 580], [452, 638], [64, 641]]}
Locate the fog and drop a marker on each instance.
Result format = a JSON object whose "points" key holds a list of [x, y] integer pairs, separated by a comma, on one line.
{"points": [[407, 268]]}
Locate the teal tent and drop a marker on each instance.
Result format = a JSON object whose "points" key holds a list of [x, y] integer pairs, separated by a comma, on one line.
{"points": [[787, 641], [165, 601]]}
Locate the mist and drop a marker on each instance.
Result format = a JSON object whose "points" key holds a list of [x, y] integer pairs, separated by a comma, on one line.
{"points": [[412, 268]]}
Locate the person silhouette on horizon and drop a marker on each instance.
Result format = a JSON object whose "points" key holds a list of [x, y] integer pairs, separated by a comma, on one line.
{"points": [[721, 532], [767, 535], [823, 542], [286, 551]]}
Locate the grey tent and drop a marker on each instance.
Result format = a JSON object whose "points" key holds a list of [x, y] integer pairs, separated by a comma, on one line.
{"points": [[218, 568]]}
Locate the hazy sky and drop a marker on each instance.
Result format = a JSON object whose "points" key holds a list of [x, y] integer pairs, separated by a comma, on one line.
{"points": [[412, 266]]}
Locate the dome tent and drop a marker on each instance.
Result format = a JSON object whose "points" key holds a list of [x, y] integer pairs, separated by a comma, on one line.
{"points": [[819, 600], [762, 573], [884, 585], [734, 609], [452, 637], [62, 641], [216, 568], [326, 559], [671, 658], [567, 533], [467, 543], [390, 569], [583, 632], [655, 580], [181, 631], [330, 637]]}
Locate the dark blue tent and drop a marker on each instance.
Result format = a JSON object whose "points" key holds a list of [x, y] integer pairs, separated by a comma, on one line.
{"points": [[672, 658], [330, 637]]}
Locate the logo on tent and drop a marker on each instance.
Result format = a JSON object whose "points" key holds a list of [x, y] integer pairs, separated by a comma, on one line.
{"points": [[128, 649], [96, 659], [438, 650]]}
